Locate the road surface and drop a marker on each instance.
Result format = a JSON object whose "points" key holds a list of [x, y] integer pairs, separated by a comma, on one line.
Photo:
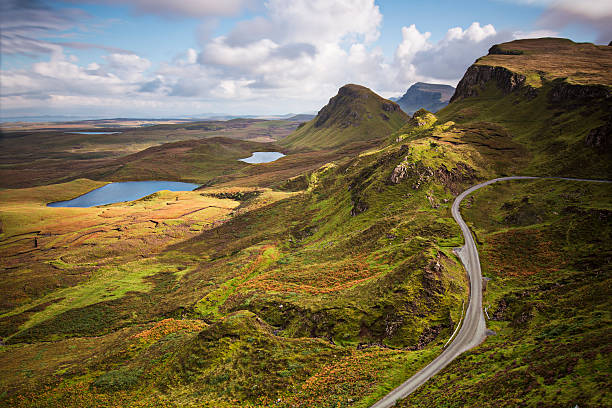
{"points": [[473, 330]]}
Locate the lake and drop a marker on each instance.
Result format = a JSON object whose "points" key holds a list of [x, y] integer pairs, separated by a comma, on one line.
{"points": [[124, 191], [92, 133], [263, 157]]}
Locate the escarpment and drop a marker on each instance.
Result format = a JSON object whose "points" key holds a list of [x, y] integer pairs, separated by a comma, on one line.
{"points": [[477, 77]]}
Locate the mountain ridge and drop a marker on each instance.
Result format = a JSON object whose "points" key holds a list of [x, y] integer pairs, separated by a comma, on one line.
{"points": [[355, 114], [421, 95]]}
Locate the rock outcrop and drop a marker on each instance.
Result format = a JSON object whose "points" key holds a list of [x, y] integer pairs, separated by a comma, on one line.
{"points": [[431, 97], [600, 138], [477, 76]]}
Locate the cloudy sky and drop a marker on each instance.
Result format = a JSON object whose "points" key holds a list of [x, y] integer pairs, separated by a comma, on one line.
{"points": [[171, 58]]}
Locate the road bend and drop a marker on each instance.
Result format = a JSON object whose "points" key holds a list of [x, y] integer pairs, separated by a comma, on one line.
{"points": [[473, 330]]}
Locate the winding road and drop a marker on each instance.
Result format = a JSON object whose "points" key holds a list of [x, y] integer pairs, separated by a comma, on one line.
{"points": [[473, 331]]}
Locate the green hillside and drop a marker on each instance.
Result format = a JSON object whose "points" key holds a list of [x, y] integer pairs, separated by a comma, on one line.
{"points": [[337, 284], [355, 114]]}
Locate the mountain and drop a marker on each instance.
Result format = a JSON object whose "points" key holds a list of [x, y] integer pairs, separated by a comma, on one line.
{"points": [[302, 117], [552, 96], [431, 97], [334, 284], [355, 114], [538, 107]]}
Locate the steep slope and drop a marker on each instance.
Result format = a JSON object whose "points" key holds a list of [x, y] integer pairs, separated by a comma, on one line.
{"points": [[551, 96], [431, 97], [546, 255], [534, 107], [333, 296], [355, 114]]}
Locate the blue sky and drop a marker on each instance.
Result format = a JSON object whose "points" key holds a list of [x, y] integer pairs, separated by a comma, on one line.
{"points": [[156, 58]]}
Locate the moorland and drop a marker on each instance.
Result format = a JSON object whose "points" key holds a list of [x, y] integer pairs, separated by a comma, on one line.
{"points": [[328, 277]]}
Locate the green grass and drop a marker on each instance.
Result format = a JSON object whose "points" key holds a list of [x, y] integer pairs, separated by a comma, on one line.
{"points": [[551, 318], [355, 114]]}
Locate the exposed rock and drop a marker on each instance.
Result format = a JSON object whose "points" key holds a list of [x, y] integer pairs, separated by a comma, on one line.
{"points": [[456, 177], [359, 206], [600, 138], [432, 97], [478, 75], [399, 172], [427, 336], [577, 95], [452, 179], [498, 50], [390, 107], [432, 201]]}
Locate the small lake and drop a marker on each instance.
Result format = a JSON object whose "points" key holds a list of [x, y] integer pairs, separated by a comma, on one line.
{"points": [[124, 191], [92, 133], [263, 157]]}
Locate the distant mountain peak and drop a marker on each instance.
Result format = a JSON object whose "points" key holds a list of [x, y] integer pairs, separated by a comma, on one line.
{"points": [[432, 97], [350, 105], [354, 114]]}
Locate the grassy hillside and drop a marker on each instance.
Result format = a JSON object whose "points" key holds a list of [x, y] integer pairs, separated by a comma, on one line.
{"points": [[545, 248], [356, 271], [560, 114], [335, 287], [356, 114]]}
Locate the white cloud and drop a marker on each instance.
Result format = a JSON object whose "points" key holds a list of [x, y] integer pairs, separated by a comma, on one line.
{"points": [[447, 60], [292, 58]]}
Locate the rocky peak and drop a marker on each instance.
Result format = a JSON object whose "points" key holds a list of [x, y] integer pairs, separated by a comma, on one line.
{"points": [[351, 104], [432, 97]]}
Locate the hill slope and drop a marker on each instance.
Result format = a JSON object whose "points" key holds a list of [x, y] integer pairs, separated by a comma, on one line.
{"points": [[355, 114], [551, 96], [431, 97], [333, 296], [534, 107]]}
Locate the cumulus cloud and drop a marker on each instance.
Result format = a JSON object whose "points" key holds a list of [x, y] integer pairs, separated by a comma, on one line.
{"points": [[293, 57], [593, 14], [448, 59], [418, 59], [120, 75]]}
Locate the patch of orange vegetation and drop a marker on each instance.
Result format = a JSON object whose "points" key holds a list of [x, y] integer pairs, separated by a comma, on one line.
{"points": [[356, 375], [522, 252], [316, 279], [167, 326]]}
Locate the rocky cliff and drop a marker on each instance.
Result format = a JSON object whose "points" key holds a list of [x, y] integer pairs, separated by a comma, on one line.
{"points": [[431, 97]]}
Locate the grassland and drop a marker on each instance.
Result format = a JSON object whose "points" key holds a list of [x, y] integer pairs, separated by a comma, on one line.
{"points": [[548, 59], [295, 296], [327, 277], [31, 158], [355, 114], [545, 248]]}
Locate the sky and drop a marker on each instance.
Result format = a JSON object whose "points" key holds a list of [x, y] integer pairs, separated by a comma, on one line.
{"points": [[188, 58]]}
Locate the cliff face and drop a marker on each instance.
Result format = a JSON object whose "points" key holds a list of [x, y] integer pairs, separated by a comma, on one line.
{"points": [[554, 98], [577, 72], [431, 97], [477, 76]]}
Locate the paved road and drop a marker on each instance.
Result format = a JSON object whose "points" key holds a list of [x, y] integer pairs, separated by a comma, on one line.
{"points": [[473, 330]]}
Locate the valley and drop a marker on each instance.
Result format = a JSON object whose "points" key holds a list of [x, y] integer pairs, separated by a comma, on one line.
{"points": [[329, 276]]}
